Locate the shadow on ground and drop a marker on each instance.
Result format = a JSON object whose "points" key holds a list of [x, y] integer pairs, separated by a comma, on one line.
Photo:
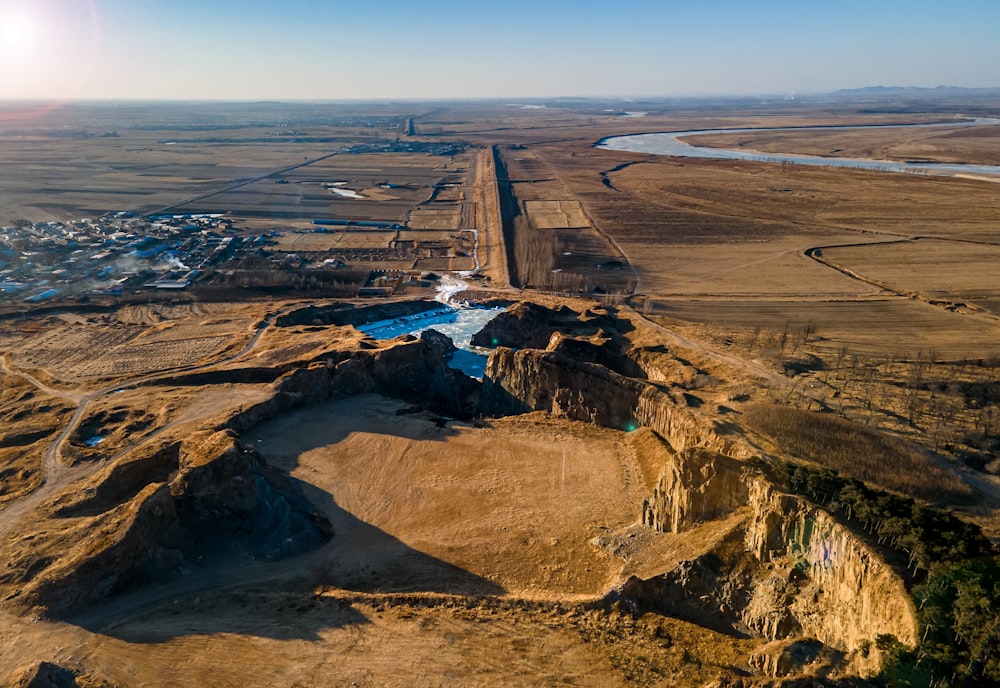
{"points": [[245, 596]]}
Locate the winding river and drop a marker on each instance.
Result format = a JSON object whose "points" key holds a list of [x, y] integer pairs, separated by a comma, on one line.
{"points": [[670, 143]]}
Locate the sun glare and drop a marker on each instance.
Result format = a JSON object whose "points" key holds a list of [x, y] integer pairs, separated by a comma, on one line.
{"points": [[17, 32]]}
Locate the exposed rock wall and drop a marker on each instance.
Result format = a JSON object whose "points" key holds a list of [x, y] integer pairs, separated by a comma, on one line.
{"points": [[791, 570], [659, 411], [692, 489], [527, 325], [849, 594], [349, 314], [224, 499], [228, 497], [409, 368], [210, 496], [533, 380]]}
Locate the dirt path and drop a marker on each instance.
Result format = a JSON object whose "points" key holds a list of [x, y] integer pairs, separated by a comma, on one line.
{"points": [[75, 396], [57, 474], [493, 261]]}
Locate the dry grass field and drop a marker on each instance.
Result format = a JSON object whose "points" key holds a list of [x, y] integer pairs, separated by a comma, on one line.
{"points": [[140, 171], [30, 421], [77, 353], [755, 245], [379, 187], [553, 247], [310, 240], [873, 327], [308, 639], [938, 269], [86, 351]]}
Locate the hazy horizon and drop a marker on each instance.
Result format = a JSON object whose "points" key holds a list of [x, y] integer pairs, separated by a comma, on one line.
{"points": [[512, 100], [383, 50]]}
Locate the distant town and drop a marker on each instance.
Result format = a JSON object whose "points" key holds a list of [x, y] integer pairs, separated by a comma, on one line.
{"points": [[114, 253], [121, 253]]}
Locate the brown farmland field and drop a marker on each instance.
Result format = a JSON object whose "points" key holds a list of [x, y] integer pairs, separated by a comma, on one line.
{"points": [[763, 240], [390, 185], [938, 269]]}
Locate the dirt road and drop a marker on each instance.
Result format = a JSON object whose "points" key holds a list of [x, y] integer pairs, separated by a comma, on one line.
{"points": [[58, 475]]}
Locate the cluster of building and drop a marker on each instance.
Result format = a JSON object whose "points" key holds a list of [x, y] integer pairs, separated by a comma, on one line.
{"points": [[120, 253], [113, 253]]}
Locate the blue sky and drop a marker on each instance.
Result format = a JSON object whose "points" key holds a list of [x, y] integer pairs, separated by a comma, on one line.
{"points": [[328, 49]]}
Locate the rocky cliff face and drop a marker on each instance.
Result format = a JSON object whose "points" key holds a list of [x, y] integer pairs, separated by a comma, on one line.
{"points": [[790, 570], [407, 368], [349, 314], [533, 380], [527, 325], [228, 498], [179, 501], [224, 499], [692, 489], [845, 594]]}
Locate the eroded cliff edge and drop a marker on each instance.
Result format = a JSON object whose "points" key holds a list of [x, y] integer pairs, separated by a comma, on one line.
{"points": [[782, 566], [202, 494], [789, 569]]}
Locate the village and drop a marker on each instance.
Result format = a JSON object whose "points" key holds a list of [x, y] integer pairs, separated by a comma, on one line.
{"points": [[120, 253]]}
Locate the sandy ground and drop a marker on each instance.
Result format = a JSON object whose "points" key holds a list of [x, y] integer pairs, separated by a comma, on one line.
{"points": [[462, 555], [507, 508], [268, 638]]}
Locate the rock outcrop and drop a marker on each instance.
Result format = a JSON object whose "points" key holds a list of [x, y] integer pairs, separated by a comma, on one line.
{"points": [[207, 496], [407, 368], [790, 570], [533, 380], [692, 489], [849, 595], [439, 343], [229, 498], [349, 314], [44, 675], [790, 657], [224, 499], [786, 570], [527, 325]]}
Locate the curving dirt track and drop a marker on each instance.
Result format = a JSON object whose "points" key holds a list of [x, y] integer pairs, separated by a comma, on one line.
{"points": [[58, 475]]}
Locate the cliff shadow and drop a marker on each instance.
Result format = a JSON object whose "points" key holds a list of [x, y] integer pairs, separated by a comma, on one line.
{"points": [[239, 595], [364, 558]]}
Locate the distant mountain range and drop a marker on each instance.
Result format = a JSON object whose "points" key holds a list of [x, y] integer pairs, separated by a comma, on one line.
{"points": [[914, 91]]}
